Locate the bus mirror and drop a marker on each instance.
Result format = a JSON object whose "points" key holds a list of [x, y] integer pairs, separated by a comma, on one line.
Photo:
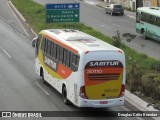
{"points": [[34, 42]]}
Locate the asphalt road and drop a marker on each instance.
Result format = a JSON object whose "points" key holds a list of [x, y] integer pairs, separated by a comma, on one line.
{"points": [[20, 88]]}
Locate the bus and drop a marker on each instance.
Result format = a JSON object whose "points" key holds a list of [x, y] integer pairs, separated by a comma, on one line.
{"points": [[87, 71], [148, 22]]}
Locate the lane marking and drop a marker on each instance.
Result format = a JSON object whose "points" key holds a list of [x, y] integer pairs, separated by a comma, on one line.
{"points": [[6, 53], [18, 20], [125, 108], [131, 16], [105, 26], [91, 3], [42, 88]]}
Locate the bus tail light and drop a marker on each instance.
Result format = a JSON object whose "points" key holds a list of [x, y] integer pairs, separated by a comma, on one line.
{"points": [[86, 52], [122, 91], [119, 51], [83, 92]]}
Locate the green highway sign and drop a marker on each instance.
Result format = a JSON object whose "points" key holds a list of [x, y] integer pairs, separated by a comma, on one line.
{"points": [[68, 12]]}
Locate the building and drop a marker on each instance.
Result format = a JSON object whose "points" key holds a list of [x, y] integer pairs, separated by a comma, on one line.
{"points": [[150, 3], [133, 4]]}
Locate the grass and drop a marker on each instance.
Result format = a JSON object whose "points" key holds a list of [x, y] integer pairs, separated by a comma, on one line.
{"points": [[35, 16]]}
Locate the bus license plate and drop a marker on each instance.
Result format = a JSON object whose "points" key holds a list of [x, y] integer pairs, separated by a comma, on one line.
{"points": [[103, 102]]}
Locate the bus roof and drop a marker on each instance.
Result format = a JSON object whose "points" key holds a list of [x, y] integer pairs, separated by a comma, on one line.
{"points": [[150, 10], [79, 40]]}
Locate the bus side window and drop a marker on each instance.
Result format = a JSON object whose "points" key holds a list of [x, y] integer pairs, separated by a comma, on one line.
{"points": [[152, 19], [148, 18], [143, 16], [52, 49], [68, 58], [61, 55], [55, 51], [158, 21], [74, 57], [71, 54], [58, 52], [64, 57], [77, 60], [49, 47]]}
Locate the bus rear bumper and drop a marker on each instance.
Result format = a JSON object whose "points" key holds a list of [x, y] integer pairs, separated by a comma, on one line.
{"points": [[101, 103]]}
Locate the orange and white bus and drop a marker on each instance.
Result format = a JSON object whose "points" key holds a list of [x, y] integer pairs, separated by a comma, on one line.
{"points": [[88, 72]]}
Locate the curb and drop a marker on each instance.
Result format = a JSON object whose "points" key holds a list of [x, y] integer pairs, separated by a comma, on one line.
{"points": [[139, 103], [10, 3]]}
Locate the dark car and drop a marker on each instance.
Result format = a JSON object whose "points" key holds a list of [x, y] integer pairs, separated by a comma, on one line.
{"points": [[115, 9]]}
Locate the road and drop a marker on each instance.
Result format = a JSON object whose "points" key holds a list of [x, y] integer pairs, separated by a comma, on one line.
{"points": [[20, 88]]}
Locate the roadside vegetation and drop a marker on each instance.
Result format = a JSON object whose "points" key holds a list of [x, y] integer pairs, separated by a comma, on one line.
{"points": [[143, 72]]}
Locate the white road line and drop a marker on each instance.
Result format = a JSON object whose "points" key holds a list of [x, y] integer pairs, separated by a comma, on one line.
{"points": [[6, 53], [42, 89], [92, 3], [18, 21], [125, 108], [105, 26], [131, 16]]}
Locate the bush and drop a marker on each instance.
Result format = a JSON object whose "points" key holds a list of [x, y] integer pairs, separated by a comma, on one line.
{"points": [[134, 77], [151, 85], [117, 39]]}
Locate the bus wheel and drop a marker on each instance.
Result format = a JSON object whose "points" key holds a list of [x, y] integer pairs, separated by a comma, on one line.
{"points": [[111, 13], [42, 76], [64, 94], [144, 34]]}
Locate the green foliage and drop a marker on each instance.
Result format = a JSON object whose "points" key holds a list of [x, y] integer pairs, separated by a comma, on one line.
{"points": [[134, 77], [129, 36], [117, 39], [151, 85]]}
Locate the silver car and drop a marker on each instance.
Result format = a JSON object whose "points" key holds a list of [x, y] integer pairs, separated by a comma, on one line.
{"points": [[114, 9]]}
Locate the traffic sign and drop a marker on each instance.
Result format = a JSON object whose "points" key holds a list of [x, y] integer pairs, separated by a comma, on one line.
{"points": [[68, 12]]}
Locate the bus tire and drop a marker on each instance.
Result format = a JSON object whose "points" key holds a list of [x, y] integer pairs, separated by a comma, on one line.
{"points": [[42, 76], [64, 94], [144, 34], [112, 13]]}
